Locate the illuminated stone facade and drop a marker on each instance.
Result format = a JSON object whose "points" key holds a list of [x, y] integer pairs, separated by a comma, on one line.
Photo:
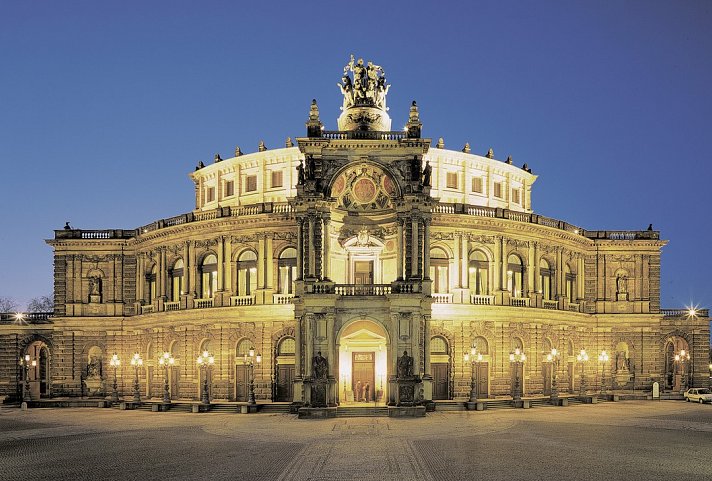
{"points": [[359, 245]]}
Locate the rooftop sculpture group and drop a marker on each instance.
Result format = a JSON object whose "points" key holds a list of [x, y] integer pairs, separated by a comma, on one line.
{"points": [[368, 87]]}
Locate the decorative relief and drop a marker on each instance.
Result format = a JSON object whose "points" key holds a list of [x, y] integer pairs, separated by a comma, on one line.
{"points": [[482, 239], [206, 243], [364, 187]]}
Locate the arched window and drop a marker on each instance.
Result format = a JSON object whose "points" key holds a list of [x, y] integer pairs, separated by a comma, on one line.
{"points": [[246, 273], [438, 345], [515, 276], [545, 279], [151, 280], [439, 272], [176, 280], [479, 273], [570, 284], [481, 344], [287, 267], [243, 349], [287, 347], [208, 276]]}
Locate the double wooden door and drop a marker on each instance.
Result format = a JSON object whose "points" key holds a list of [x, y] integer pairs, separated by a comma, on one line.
{"points": [[441, 380], [285, 383], [242, 382], [364, 374]]}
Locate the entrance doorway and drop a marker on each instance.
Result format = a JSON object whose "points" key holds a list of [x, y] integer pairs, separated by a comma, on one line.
{"points": [[363, 357], [363, 272], [38, 375], [284, 378], [363, 376], [440, 367]]}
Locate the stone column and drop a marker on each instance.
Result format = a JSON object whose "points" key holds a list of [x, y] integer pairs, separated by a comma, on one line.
{"points": [[269, 261], [464, 268], [260, 261], [503, 263], [310, 247], [426, 250], [140, 277], [399, 261], [193, 272], [327, 250], [186, 267], [227, 265], [300, 248], [221, 264], [414, 247]]}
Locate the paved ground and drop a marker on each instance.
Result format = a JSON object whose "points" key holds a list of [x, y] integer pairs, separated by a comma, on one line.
{"points": [[628, 440]]}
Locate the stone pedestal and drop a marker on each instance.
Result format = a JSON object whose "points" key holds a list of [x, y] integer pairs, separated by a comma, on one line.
{"points": [[408, 393], [95, 386]]}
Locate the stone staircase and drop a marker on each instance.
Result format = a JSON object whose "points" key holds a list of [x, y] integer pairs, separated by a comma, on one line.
{"points": [[361, 411]]}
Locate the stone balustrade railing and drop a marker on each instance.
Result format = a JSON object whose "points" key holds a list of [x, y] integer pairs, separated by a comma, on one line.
{"points": [[203, 303], [362, 289], [519, 302], [284, 208], [282, 298], [363, 135], [25, 317], [480, 300], [685, 312], [242, 300], [442, 298], [550, 304], [171, 306]]}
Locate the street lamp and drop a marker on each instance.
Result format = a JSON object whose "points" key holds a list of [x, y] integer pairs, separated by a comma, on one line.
{"points": [[250, 360], [166, 360], [603, 359], [26, 363], [680, 359], [582, 358], [205, 363], [115, 363], [475, 358], [516, 359], [136, 362], [553, 358]]}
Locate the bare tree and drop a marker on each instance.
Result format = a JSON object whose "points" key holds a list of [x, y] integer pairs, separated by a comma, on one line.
{"points": [[7, 304], [41, 304]]}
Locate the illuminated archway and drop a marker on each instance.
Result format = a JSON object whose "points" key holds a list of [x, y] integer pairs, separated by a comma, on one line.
{"points": [[363, 361]]}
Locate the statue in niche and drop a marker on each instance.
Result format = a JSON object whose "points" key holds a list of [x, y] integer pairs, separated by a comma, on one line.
{"points": [[95, 289], [427, 173], [622, 284], [320, 367], [405, 366], [622, 362], [94, 367], [310, 169]]}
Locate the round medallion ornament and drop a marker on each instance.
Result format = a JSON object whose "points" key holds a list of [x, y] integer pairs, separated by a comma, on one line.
{"points": [[364, 191], [388, 185]]}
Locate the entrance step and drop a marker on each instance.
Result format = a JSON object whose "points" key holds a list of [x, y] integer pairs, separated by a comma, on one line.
{"points": [[361, 411], [275, 408], [449, 406]]}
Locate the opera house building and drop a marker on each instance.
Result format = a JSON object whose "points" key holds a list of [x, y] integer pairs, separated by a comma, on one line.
{"points": [[362, 264]]}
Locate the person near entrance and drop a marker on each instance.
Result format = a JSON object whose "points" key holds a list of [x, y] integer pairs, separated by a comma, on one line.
{"points": [[367, 392], [358, 391]]}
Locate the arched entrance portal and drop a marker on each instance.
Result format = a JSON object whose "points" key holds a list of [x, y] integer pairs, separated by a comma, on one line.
{"points": [[38, 374], [363, 361], [677, 370]]}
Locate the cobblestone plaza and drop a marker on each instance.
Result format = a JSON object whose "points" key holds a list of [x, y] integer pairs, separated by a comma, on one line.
{"points": [[625, 440]]}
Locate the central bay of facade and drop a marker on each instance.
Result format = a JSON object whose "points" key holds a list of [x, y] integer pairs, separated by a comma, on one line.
{"points": [[361, 265]]}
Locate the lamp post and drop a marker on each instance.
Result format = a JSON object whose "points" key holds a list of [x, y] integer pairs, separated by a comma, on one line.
{"points": [[136, 362], [250, 359], [603, 359], [475, 359], [516, 359], [166, 360], [681, 359], [205, 363], [553, 358], [25, 362], [582, 358], [115, 363]]}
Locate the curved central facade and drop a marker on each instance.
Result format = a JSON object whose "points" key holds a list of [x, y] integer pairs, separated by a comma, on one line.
{"points": [[363, 265]]}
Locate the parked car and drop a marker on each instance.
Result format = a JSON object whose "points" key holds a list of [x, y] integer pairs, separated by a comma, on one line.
{"points": [[699, 394]]}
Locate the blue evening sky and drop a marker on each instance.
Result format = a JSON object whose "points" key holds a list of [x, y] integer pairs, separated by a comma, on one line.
{"points": [[107, 106]]}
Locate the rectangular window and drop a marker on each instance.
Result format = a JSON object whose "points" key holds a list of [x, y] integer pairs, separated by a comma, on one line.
{"points": [[209, 194], [451, 180], [477, 185], [498, 190], [229, 188], [251, 183], [276, 178], [515, 196]]}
